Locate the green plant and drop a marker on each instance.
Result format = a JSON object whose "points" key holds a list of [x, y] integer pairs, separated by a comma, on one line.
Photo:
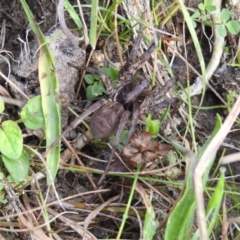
{"points": [[152, 126], [32, 114], [231, 25], [14, 157], [203, 15], [96, 87], [230, 98]]}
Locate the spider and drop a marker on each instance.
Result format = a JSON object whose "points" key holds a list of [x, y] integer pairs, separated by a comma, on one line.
{"points": [[110, 117]]}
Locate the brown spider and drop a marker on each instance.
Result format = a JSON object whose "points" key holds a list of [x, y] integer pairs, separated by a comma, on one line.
{"points": [[131, 92], [110, 117]]}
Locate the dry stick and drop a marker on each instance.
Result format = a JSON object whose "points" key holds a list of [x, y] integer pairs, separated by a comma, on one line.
{"points": [[205, 161], [95, 212], [49, 205], [85, 29], [3, 33], [74, 225], [13, 85], [11, 100]]}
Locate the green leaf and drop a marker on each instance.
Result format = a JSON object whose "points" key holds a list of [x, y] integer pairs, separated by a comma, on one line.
{"points": [[111, 72], [11, 141], [93, 91], [1, 186], [205, 17], [210, 8], [89, 94], [32, 114], [152, 126], [225, 15], [233, 27], [214, 205], [1, 105], [230, 97], [18, 168], [194, 24], [101, 86], [89, 78], [93, 24], [215, 202], [171, 156], [195, 15], [50, 90], [74, 15], [201, 6], [180, 221], [222, 31], [96, 90], [150, 224], [207, 3]]}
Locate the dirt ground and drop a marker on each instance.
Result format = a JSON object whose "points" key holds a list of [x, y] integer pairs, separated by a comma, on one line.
{"points": [[70, 183]]}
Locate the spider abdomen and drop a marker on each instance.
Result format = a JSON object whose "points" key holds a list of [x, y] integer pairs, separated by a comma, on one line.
{"points": [[105, 120]]}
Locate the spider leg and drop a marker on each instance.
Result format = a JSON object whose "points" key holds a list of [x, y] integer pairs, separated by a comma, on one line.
{"points": [[106, 81], [136, 112], [165, 103], [142, 59], [154, 100], [156, 97], [133, 54], [122, 124]]}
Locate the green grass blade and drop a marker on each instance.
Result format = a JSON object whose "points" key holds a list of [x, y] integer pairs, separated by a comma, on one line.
{"points": [[150, 223], [196, 43], [180, 220], [125, 215], [74, 16], [93, 24], [214, 205], [50, 96], [216, 201]]}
